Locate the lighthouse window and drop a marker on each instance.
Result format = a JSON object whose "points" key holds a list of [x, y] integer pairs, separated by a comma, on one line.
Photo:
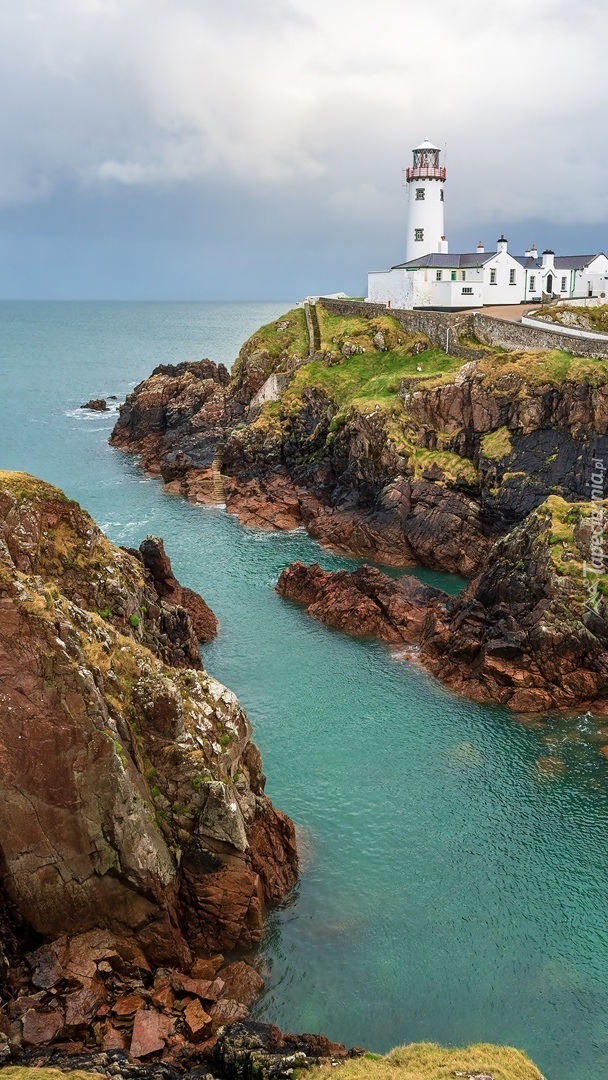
{"points": [[420, 193], [511, 277], [563, 284], [532, 283], [441, 195], [492, 277], [418, 234]]}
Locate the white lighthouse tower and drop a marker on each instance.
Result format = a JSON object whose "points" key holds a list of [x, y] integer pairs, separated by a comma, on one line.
{"points": [[425, 185]]}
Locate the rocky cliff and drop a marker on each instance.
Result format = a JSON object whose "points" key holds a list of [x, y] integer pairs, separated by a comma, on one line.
{"points": [[530, 631], [381, 444], [132, 798]]}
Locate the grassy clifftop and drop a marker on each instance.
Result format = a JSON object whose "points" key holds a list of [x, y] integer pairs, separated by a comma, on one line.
{"points": [[427, 1061]]}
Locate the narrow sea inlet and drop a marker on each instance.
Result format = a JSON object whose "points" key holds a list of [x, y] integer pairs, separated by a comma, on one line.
{"points": [[455, 877]]}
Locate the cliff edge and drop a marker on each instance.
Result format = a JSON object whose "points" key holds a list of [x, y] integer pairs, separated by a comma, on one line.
{"points": [[132, 802]]}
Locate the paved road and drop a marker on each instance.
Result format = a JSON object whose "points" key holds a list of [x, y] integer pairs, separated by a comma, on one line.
{"points": [[511, 312]]}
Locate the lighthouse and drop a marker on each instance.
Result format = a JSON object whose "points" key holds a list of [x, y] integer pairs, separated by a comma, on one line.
{"points": [[425, 186]]}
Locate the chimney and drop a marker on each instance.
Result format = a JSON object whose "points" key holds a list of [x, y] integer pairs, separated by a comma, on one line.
{"points": [[502, 244], [548, 259], [443, 246], [534, 252], [480, 248], [528, 253]]}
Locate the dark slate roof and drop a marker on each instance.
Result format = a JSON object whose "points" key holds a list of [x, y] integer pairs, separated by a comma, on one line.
{"points": [[562, 262], [447, 262], [463, 262], [528, 262]]}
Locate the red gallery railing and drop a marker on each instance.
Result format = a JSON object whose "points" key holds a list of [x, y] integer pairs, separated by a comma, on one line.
{"points": [[425, 172]]}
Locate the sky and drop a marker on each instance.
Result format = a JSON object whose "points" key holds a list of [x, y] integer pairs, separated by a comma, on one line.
{"points": [[253, 149]]}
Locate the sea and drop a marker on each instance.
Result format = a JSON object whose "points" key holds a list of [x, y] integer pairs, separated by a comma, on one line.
{"points": [[454, 883]]}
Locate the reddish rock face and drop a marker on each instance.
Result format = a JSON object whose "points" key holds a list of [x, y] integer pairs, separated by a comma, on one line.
{"points": [[207, 990], [150, 1032], [128, 1005], [111, 759], [206, 968], [40, 1028], [198, 1022], [113, 1039], [364, 603], [157, 563], [83, 1005], [227, 1011], [522, 633], [241, 982]]}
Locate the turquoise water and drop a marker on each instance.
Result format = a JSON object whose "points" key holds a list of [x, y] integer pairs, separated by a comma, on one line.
{"points": [[455, 889]]}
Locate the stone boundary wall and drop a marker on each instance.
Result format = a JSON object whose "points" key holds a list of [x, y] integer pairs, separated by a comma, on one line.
{"points": [[443, 329], [511, 335]]}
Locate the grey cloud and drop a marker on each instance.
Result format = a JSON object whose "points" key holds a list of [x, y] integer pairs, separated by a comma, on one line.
{"points": [[249, 111]]}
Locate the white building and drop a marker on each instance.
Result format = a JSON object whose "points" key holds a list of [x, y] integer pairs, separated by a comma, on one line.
{"points": [[432, 278]]}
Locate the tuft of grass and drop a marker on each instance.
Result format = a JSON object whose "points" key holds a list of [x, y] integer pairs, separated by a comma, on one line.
{"points": [[537, 368], [589, 318], [270, 345], [497, 445], [454, 468], [427, 1061], [25, 487]]}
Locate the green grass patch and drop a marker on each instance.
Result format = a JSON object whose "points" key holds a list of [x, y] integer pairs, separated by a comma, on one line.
{"points": [[562, 519], [286, 336], [28, 488], [497, 445], [360, 330], [538, 368], [453, 467], [368, 379]]}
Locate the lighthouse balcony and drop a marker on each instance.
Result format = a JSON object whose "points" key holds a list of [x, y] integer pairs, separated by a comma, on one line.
{"points": [[425, 172]]}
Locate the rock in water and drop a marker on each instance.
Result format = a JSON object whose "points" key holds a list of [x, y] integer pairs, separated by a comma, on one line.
{"points": [[157, 563], [96, 405], [530, 631], [121, 767]]}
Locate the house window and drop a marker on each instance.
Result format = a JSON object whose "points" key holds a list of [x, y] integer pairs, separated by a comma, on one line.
{"points": [[532, 283], [420, 193], [418, 234], [564, 286], [438, 275], [492, 277], [467, 290], [511, 277]]}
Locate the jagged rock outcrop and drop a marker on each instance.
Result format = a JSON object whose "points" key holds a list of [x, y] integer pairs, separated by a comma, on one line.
{"points": [[131, 793], [437, 467], [152, 553], [244, 1049], [364, 602], [175, 420], [530, 631]]}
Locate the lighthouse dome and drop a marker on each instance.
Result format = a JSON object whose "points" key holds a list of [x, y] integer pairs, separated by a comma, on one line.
{"points": [[426, 145]]}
